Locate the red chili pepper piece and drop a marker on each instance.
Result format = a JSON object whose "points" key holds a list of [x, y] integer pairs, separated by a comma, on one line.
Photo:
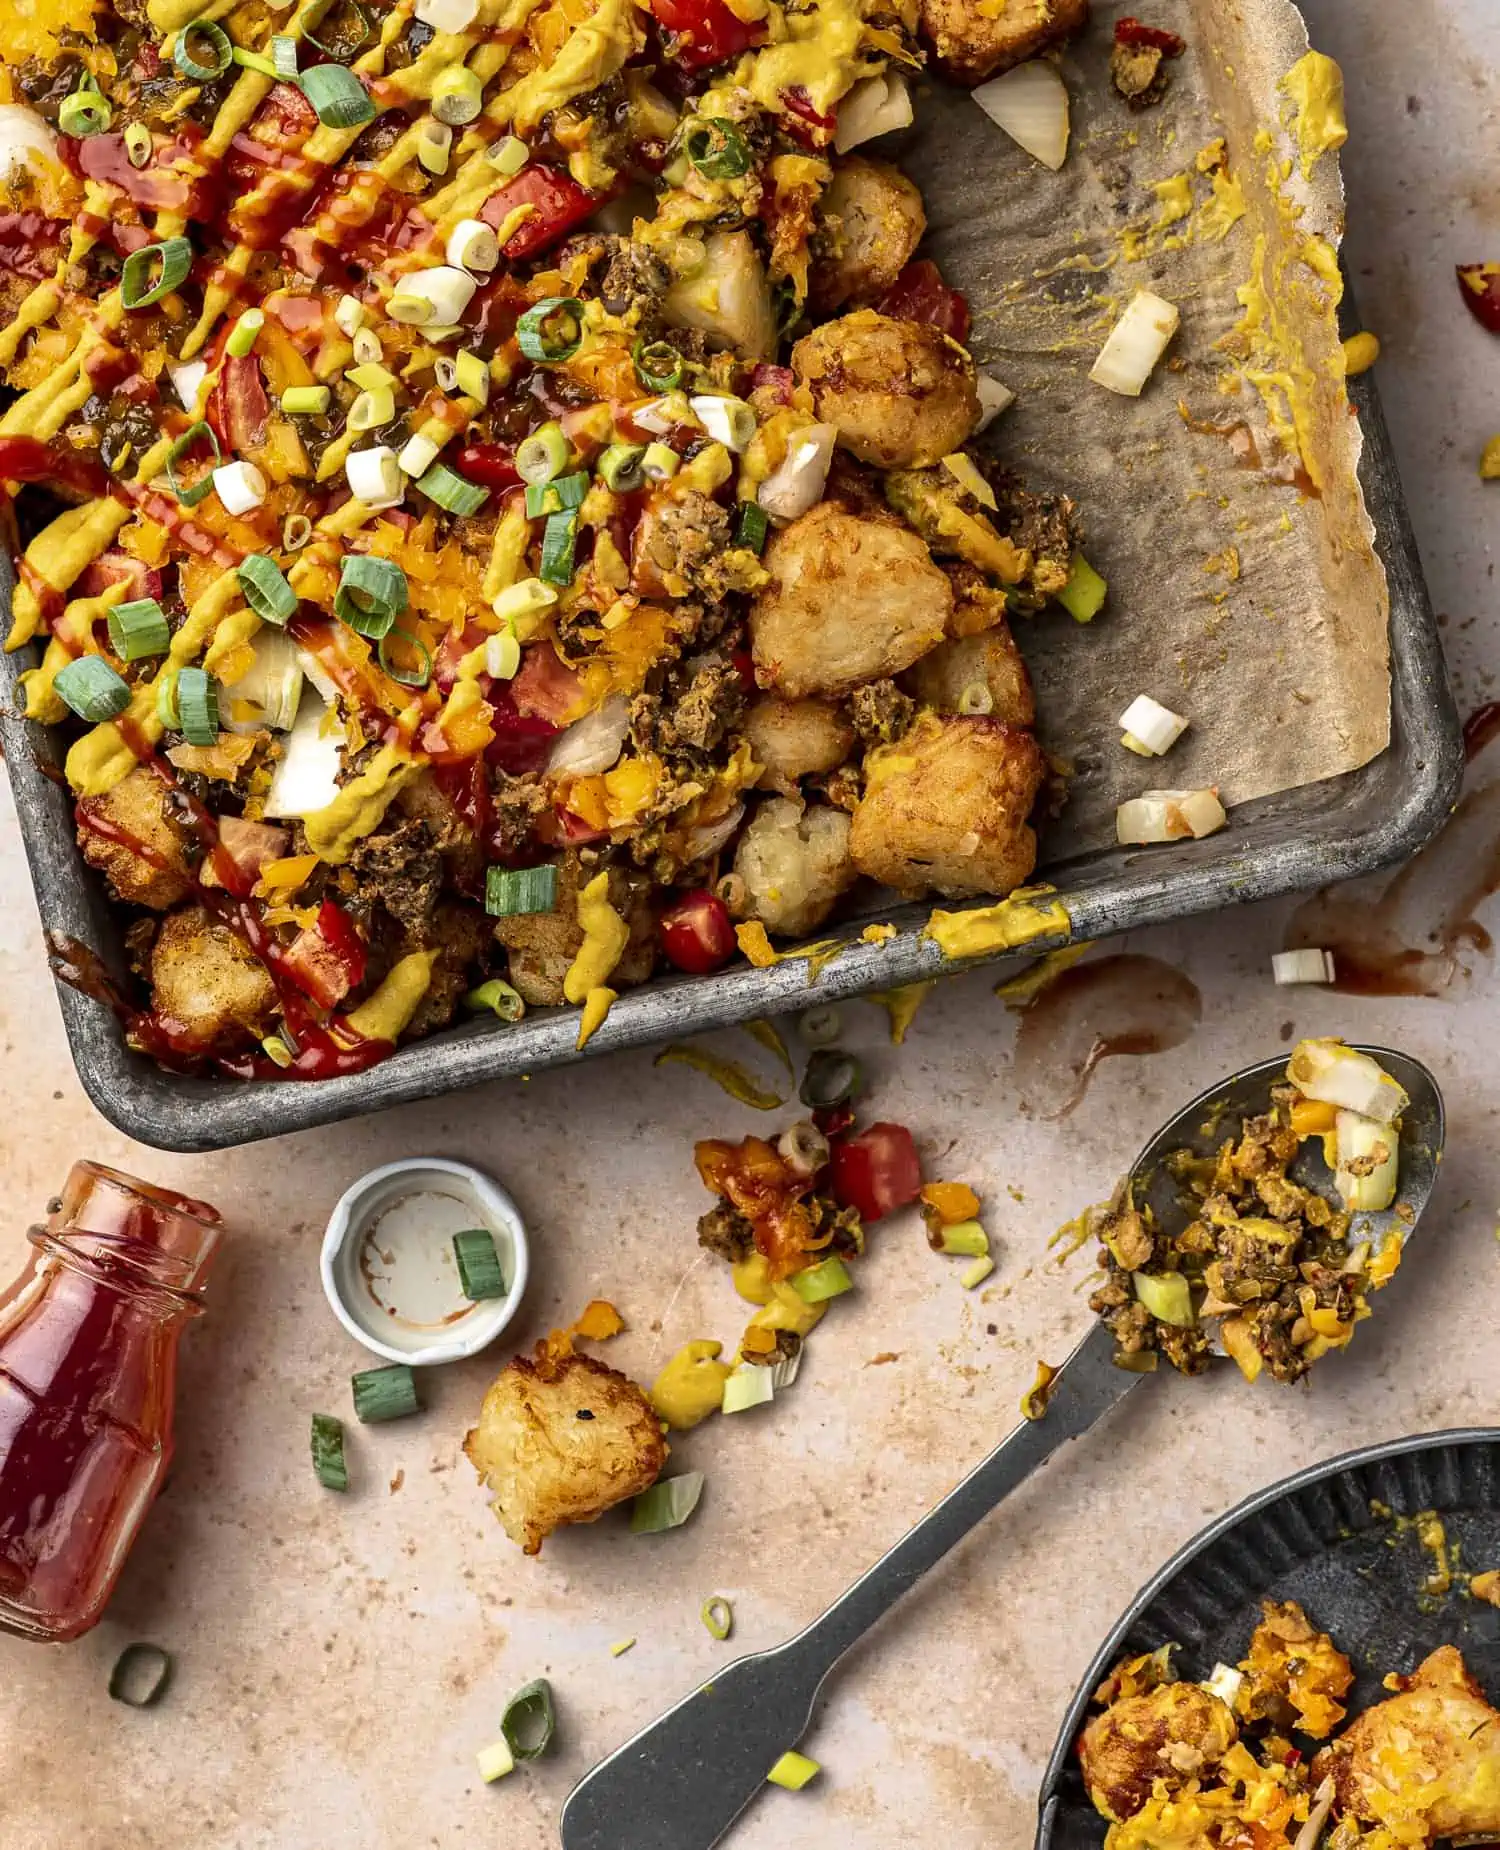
{"points": [[920, 294], [1480, 284], [238, 407], [696, 932], [1136, 34], [491, 465], [876, 1171], [559, 204], [704, 32]]}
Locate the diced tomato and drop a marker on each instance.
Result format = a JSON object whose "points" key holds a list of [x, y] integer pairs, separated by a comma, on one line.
{"points": [[560, 203], [697, 933], [1134, 34], [545, 687], [1480, 284], [920, 294], [118, 567], [704, 32], [570, 831], [247, 846], [451, 651], [489, 465], [327, 958], [523, 741], [816, 129], [876, 1171], [237, 406]]}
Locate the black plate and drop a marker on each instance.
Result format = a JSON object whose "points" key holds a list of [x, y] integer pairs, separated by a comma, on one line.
{"points": [[1314, 1539]]}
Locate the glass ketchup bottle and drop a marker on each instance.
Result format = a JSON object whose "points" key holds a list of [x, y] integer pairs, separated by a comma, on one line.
{"points": [[88, 1371]]}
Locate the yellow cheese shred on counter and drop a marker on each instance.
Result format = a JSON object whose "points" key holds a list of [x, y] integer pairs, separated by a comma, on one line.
{"points": [[384, 1016], [1028, 914]]}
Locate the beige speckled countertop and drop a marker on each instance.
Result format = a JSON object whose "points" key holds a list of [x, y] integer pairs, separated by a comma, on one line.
{"points": [[339, 1660]]}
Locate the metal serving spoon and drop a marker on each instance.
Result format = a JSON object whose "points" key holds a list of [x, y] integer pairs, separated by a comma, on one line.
{"points": [[681, 1782]]}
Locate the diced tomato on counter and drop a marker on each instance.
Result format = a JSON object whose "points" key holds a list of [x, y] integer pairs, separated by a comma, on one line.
{"points": [[1480, 283], [877, 1170]]}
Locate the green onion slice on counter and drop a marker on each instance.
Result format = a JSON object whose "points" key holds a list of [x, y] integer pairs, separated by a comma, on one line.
{"points": [[542, 455], [266, 590], [718, 1615], [479, 1274], [140, 1676], [1084, 594], [198, 705], [328, 1452], [667, 1504], [92, 689], [372, 593], [752, 526], [717, 149], [793, 1771], [384, 1394], [86, 112], [191, 494], [340, 99], [820, 1027], [658, 365], [509, 891], [530, 1720], [449, 489], [139, 629], [828, 1279], [832, 1078], [169, 262], [499, 998], [552, 331], [202, 50], [559, 537], [620, 467], [408, 674]]}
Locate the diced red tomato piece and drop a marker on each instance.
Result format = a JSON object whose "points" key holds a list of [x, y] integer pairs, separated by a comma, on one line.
{"points": [[1135, 34], [704, 32], [1480, 284], [237, 406], [118, 567], [697, 933], [248, 846], [560, 203], [920, 294], [560, 828], [327, 958], [816, 129], [544, 686], [876, 1171], [522, 742], [451, 651], [489, 465]]}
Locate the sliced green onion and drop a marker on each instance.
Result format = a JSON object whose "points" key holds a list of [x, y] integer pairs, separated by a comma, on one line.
{"points": [[384, 1394], [793, 1771], [502, 656], [192, 495], [328, 1452], [660, 463], [820, 1027], [175, 257], [530, 1720], [509, 154], [138, 629], [340, 99], [976, 1273], [277, 1051], [495, 1762], [620, 467], [166, 701], [435, 146], [92, 689], [296, 532], [552, 331], [306, 401], [752, 526], [1168, 1296], [967, 1238], [198, 704], [214, 43], [523, 600], [718, 1615], [140, 1676], [832, 1078], [479, 1274], [86, 112], [499, 998], [284, 55], [542, 455], [751, 1385], [556, 497], [372, 593], [372, 409], [408, 676], [1084, 594], [457, 95], [658, 365], [471, 373], [558, 540], [242, 336], [451, 492], [828, 1279], [667, 1504], [717, 149], [266, 590], [139, 146], [511, 891], [253, 61], [345, 52]]}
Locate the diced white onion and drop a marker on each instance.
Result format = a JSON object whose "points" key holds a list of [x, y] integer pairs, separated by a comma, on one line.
{"points": [[749, 1386], [186, 379], [1031, 104], [709, 837], [1151, 725], [349, 315], [447, 15], [729, 421], [1311, 1834], [306, 776], [993, 399], [439, 295], [1359, 1141], [317, 676], [22, 134], [798, 483], [1225, 1683], [592, 744], [1292, 967], [1334, 1074], [418, 454], [374, 476], [1168, 815], [726, 297], [1140, 337], [271, 687], [874, 107], [240, 486], [784, 1372], [969, 479], [502, 656], [472, 245]]}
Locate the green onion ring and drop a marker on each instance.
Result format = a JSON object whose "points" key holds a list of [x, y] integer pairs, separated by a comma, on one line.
{"points": [[451, 491], [552, 331], [266, 589], [338, 96], [718, 1615], [717, 148], [367, 32], [530, 1720], [190, 497], [832, 1078], [126, 1687], [658, 365], [139, 146], [175, 256], [217, 41], [86, 112], [407, 677]]}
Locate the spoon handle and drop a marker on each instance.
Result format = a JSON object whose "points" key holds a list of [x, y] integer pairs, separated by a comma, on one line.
{"points": [[681, 1782]]}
